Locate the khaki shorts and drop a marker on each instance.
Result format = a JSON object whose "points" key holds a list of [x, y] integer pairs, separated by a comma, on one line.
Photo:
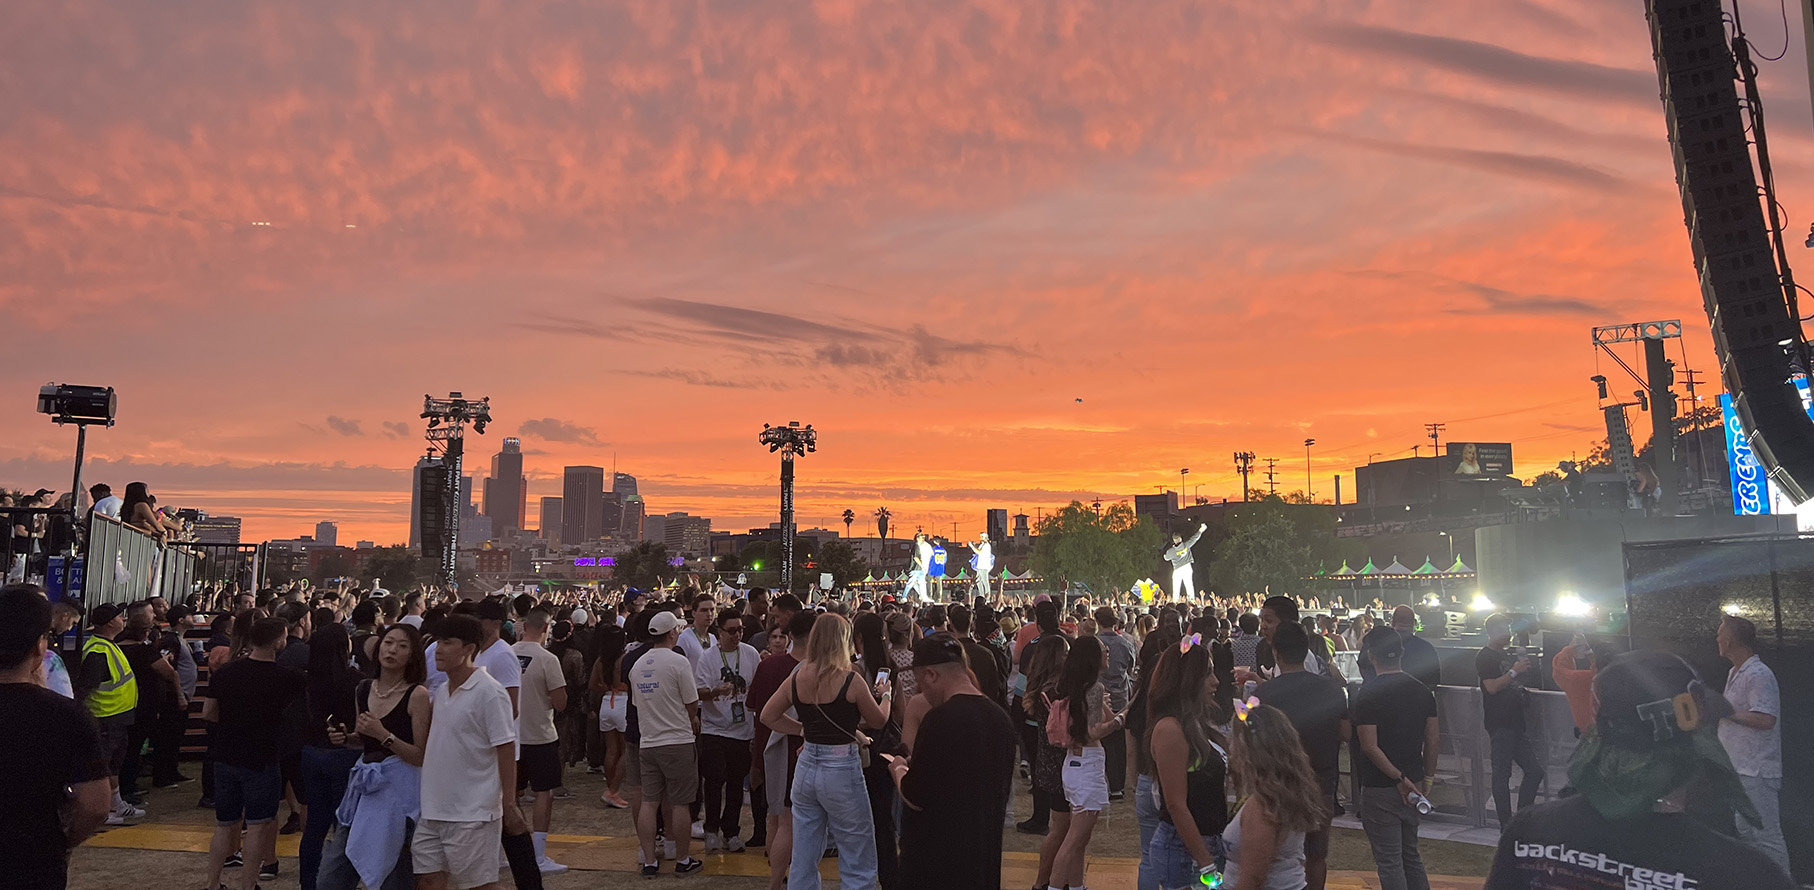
{"points": [[633, 767], [670, 774], [466, 851]]}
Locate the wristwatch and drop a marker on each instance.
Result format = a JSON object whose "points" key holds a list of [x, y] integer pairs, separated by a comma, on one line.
{"points": [[389, 740]]}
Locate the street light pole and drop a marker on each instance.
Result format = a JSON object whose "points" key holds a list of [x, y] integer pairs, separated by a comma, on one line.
{"points": [[1181, 474], [1309, 492], [790, 440]]}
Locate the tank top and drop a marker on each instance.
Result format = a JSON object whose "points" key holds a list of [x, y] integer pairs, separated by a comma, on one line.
{"points": [[397, 722], [831, 723], [1287, 871], [1205, 794]]}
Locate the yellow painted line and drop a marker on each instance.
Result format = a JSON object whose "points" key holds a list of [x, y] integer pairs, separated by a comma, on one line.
{"points": [[609, 853]]}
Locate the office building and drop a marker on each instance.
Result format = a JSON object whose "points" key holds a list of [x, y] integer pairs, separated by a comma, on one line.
{"points": [[551, 520], [623, 485], [611, 515], [995, 523], [507, 491], [631, 529], [582, 504], [327, 534]]}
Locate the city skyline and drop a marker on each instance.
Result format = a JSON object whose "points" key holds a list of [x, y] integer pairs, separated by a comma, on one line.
{"points": [[1009, 261]]}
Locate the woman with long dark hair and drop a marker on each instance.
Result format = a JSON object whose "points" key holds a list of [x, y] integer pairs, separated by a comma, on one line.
{"points": [[384, 789], [325, 762], [612, 694], [1187, 759], [1044, 663], [1086, 784], [870, 634], [1264, 842]]}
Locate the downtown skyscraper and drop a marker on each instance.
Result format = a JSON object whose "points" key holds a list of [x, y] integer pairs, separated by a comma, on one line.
{"points": [[507, 491], [582, 504]]}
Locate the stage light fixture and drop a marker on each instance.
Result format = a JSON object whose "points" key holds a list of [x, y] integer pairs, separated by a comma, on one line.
{"points": [[1572, 606], [1480, 603]]}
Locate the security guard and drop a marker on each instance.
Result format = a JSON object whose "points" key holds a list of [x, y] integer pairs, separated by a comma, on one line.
{"points": [[107, 687]]}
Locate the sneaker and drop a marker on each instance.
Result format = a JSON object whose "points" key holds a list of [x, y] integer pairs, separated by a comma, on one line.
{"points": [[651, 871], [525, 799], [613, 801], [234, 861], [714, 844], [1117, 795], [179, 780], [688, 866], [206, 803], [734, 844], [292, 825], [1029, 827], [268, 870], [561, 793], [549, 867], [128, 811], [757, 840], [595, 770], [114, 819], [699, 830], [667, 850]]}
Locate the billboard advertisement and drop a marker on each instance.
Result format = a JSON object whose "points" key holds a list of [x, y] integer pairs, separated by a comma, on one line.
{"points": [[1750, 489], [1483, 459]]}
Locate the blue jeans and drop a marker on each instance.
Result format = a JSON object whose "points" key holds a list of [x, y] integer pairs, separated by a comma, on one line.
{"points": [[830, 799], [1170, 861], [1146, 812], [324, 777], [337, 872]]}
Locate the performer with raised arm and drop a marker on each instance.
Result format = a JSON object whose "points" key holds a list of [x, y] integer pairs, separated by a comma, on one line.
{"points": [[922, 564], [1180, 557], [982, 559]]}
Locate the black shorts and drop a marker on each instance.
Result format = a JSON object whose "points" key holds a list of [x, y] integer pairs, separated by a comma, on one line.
{"points": [[115, 731], [539, 767]]}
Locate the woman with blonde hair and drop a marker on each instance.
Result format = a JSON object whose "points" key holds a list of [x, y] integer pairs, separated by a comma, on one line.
{"points": [[1264, 841], [828, 795]]}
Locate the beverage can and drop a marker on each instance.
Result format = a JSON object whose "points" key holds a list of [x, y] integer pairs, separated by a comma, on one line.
{"points": [[1421, 803]]}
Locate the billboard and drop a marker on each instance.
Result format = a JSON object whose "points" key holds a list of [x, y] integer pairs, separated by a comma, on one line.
{"points": [[1750, 489], [1482, 459]]}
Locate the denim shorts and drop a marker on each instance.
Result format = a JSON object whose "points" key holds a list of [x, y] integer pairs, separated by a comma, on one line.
{"points": [[1171, 863], [248, 794]]}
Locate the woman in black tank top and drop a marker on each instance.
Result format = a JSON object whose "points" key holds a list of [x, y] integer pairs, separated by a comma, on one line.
{"points": [[829, 796], [1185, 768], [393, 710]]}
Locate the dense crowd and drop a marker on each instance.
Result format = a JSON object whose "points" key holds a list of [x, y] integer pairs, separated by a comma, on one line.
{"points": [[421, 739]]}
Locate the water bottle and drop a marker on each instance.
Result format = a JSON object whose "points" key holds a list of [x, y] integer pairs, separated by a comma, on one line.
{"points": [[1209, 876], [1421, 803]]}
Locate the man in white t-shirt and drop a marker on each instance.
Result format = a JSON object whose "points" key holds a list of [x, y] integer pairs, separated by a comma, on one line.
{"points": [[106, 503], [1752, 737], [469, 762], [697, 640], [726, 728], [544, 691], [667, 707]]}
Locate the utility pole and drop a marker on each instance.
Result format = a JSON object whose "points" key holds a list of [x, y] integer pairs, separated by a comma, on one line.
{"points": [[1181, 474], [1243, 464], [1309, 489], [1435, 437], [1272, 485]]}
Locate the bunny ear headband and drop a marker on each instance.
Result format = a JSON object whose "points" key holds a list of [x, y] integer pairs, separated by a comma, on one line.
{"points": [[1243, 708], [1192, 640]]}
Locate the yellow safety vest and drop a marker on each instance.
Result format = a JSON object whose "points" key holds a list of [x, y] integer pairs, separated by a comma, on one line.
{"points": [[120, 694]]}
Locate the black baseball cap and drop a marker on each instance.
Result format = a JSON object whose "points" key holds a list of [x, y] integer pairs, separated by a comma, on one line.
{"points": [[103, 613], [490, 610]]}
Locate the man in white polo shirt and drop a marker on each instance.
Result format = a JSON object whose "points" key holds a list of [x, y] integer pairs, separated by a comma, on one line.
{"points": [[469, 762], [667, 708]]}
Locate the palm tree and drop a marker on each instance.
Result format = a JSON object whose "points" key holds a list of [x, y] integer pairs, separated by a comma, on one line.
{"points": [[850, 516], [882, 522]]}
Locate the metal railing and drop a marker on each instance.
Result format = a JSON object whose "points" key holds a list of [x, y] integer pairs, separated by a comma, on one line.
{"points": [[124, 564]]}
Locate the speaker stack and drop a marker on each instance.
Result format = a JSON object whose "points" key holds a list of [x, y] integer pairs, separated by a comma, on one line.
{"points": [[1753, 333]]}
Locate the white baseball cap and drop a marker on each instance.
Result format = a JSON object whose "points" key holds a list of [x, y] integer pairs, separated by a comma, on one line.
{"points": [[663, 623]]}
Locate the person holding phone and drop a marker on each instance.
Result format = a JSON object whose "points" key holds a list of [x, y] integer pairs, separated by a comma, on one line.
{"points": [[726, 728]]}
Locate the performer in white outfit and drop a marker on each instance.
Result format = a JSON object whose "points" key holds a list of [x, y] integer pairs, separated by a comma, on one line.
{"points": [[982, 559], [922, 563], [1180, 558]]}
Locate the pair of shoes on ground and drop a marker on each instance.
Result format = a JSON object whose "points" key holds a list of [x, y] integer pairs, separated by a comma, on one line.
{"points": [[238, 860], [124, 813], [687, 866], [723, 844]]}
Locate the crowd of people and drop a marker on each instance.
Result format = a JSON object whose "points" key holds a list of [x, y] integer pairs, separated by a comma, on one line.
{"points": [[422, 739]]}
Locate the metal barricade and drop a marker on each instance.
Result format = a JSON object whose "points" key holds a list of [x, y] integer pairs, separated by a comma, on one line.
{"points": [[124, 564], [1465, 767]]}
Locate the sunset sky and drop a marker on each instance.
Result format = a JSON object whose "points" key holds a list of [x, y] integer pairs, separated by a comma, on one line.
{"points": [[928, 228]]}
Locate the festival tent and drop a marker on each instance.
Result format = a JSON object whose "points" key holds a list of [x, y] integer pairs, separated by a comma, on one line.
{"points": [[1396, 569]]}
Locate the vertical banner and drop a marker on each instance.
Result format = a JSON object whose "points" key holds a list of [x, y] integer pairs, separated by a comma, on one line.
{"points": [[1750, 494]]}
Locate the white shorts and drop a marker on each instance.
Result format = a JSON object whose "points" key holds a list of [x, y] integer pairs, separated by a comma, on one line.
{"points": [[611, 712], [1086, 780], [466, 851]]}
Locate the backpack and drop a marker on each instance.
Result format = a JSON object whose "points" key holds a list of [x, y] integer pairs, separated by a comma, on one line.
{"points": [[1058, 722]]}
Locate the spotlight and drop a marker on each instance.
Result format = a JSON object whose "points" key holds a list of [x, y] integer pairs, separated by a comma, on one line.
{"points": [[1572, 606], [1733, 609], [1480, 603]]}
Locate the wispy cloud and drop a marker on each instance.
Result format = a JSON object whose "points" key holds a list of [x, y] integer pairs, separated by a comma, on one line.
{"points": [[1496, 63], [344, 427], [553, 429]]}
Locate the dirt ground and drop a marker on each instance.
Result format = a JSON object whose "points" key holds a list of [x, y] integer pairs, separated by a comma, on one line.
{"points": [[174, 815]]}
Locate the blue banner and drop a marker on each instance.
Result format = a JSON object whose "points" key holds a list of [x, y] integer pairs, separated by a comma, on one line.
{"points": [[1750, 491]]}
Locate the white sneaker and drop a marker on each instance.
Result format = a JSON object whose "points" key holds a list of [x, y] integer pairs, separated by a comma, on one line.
{"points": [[733, 844], [550, 867], [667, 850], [114, 819], [714, 844], [699, 830], [128, 811]]}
